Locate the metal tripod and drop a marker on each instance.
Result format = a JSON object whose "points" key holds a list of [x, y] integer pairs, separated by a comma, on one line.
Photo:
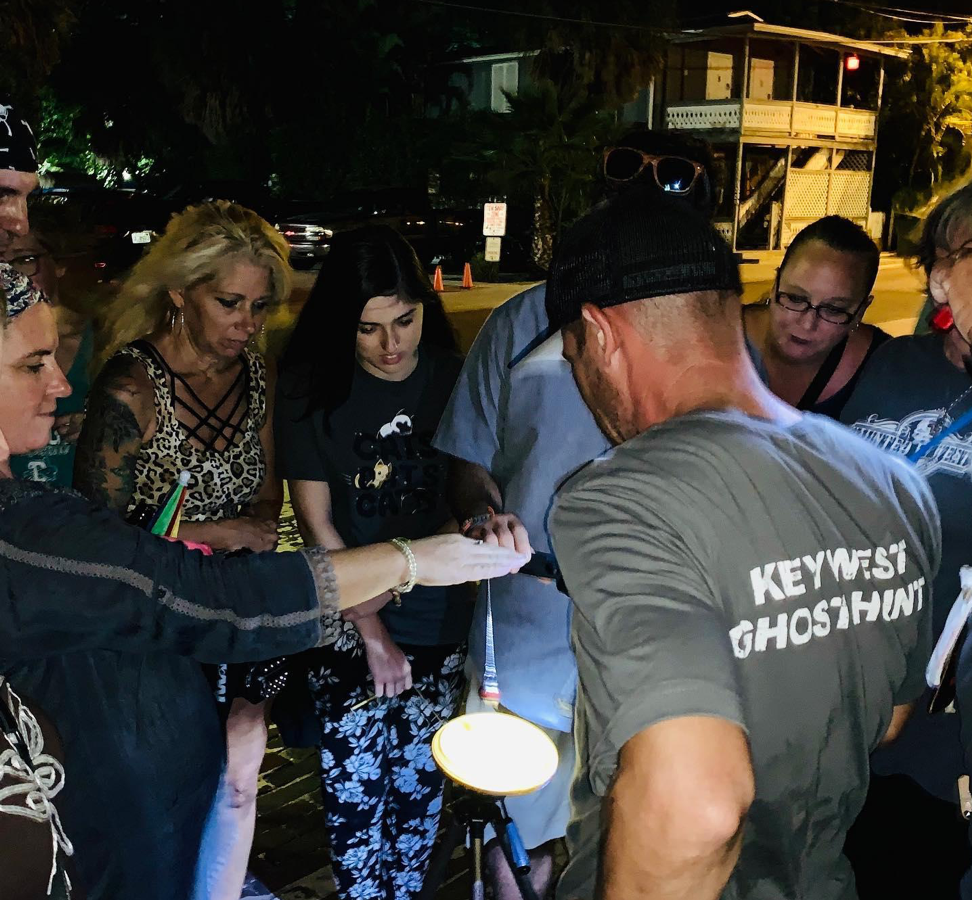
{"points": [[472, 812]]}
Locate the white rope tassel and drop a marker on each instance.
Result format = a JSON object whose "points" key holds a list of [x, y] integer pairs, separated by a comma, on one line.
{"points": [[37, 783], [489, 690]]}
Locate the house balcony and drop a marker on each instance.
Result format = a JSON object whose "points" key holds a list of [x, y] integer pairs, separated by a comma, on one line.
{"points": [[773, 118]]}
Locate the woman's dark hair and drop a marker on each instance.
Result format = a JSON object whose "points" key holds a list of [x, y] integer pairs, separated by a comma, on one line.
{"points": [[375, 261], [938, 232], [839, 234]]}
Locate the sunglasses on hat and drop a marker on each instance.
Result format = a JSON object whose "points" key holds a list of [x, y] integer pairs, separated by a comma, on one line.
{"points": [[673, 174]]}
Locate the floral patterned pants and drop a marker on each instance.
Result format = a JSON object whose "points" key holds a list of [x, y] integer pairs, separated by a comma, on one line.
{"points": [[382, 790]]}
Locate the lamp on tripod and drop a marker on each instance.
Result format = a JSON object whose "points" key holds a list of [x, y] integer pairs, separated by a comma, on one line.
{"points": [[488, 757]]}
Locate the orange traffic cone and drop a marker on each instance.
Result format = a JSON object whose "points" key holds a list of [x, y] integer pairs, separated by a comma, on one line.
{"points": [[437, 281], [467, 277]]}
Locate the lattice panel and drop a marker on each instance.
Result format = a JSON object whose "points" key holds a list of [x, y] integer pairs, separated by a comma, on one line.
{"points": [[702, 118], [855, 161], [849, 194], [806, 194]]}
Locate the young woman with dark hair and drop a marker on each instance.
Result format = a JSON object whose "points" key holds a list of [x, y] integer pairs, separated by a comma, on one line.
{"points": [[809, 331], [364, 381]]}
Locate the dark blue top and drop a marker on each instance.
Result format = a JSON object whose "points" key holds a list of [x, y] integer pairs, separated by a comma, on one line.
{"points": [[104, 626], [907, 394], [386, 479]]}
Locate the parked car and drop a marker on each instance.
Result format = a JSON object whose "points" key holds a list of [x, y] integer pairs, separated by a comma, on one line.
{"points": [[114, 225], [309, 241], [435, 234]]}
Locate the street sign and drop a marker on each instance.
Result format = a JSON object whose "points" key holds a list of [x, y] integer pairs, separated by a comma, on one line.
{"points": [[493, 249], [494, 219]]}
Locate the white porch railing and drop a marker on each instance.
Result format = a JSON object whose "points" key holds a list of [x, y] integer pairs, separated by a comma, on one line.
{"points": [[773, 117], [859, 123], [704, 116], [767, 115]]}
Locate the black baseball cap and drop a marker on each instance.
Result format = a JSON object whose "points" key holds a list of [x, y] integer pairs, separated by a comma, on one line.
{"points": [[635, 246]]}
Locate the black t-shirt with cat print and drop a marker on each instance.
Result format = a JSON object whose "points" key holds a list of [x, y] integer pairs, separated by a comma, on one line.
{"points": [[386, 478]]}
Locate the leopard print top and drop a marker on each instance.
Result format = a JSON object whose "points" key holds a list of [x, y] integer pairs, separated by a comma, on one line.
{"points": [[221, 482]]}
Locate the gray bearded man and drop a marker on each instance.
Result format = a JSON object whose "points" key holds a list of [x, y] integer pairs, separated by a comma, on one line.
{"points": [[750, 586]]}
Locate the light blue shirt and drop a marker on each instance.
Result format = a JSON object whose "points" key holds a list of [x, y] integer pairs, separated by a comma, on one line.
{"points": [[528, 427]]}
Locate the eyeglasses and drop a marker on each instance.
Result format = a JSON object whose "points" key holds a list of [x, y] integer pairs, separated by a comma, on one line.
{"points": [[673, 174], [28, 266], [959, 254], [833, 314]]}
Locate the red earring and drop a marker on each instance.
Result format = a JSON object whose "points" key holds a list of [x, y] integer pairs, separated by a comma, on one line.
{"points": [[941, 320]]}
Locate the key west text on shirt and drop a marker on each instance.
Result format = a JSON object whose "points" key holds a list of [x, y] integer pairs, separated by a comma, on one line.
{"points": [[835, 589]]}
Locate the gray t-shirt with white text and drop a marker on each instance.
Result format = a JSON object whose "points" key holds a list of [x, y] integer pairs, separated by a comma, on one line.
{"points": [[776, 577]]}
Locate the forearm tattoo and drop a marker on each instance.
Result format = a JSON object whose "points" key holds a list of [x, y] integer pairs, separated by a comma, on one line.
{"points": [[104, 467]]}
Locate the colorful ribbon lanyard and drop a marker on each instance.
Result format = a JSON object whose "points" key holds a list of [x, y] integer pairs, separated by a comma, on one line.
{"points": [[957, 425], [489, 691]]}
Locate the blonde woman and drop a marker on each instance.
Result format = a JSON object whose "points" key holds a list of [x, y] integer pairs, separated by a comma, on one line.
{"points": [[182, 391]]}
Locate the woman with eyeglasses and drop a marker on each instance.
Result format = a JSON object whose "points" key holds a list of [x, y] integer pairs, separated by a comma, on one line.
{"points": [[809, 330], [915, 399]]}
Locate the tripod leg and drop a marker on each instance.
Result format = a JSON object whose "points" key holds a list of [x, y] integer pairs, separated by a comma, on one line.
{"points": [[522, 877], [478, 889]]}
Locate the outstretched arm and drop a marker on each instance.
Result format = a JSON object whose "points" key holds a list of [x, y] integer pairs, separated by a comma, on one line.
{"points": [[80, 578]]}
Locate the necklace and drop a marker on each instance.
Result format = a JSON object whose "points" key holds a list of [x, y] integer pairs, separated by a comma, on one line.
{"points": [[946, 414]]}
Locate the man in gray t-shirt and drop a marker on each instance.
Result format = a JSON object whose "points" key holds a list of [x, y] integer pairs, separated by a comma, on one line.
{"points": [[750, 587]]}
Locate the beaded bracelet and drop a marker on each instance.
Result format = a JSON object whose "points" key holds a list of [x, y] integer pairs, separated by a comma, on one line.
{"points": [[402, 544]]}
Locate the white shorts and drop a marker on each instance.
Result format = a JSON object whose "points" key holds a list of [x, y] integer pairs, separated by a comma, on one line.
{"points": [[541, 816]]}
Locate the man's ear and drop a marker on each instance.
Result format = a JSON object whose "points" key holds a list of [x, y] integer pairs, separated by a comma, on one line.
{"points": [[600, 330]]}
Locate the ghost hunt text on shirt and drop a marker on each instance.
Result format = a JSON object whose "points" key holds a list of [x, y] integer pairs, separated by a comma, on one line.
{"points": [[834, 596]]}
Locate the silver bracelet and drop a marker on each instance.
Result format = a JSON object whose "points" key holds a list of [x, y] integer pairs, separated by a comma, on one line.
{"points": [[402, 544]]}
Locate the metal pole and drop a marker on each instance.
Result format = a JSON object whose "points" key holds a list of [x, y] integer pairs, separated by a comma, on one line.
{"points": [[745, 78], [880, 91], [840, 76], [870, 183], [796, 80], [478, 889], [738, 190], [786, 192], [739, 154]]}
